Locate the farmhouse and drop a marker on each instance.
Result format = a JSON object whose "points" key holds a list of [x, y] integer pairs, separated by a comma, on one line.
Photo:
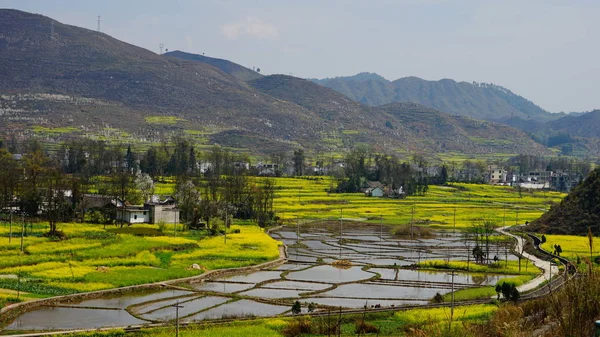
{"points": [[165, 211], [154, 211], [373, 189]]}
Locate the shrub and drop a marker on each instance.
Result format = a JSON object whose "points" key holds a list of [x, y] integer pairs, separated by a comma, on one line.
{"points": [[365, 327], [296, 308], [297, 327]]}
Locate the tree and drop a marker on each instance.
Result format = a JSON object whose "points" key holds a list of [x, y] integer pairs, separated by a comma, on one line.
{"points": [[10, 175], [443, 175], [188, 197], [298, 159], [122, 187], [478, 254], [130, 160], [144, 186], [57, 205], [263, 202], [296, 308], [543, 238], [35, 167], [498, 289]]}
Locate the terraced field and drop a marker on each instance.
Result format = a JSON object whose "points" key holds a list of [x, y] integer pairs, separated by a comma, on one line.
{"points": [[308, 199]]}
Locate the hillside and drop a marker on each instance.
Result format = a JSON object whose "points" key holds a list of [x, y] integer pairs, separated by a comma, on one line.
{"points": [[81, 83], [584, 125], [228, 67], [572, 134], [476, 100], [576, 212], [460, 134], [96, 81]]}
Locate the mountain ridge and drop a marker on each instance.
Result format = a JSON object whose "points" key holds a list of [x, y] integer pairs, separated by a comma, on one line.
{"points": [[79, 82], [238, 71], [477, 100]]}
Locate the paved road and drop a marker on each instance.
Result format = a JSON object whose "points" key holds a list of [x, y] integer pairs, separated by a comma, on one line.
{"points": [[548, 270]]}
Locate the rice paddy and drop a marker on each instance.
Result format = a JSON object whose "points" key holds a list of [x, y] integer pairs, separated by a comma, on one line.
{"points": [[377, 253], [94, 258]]}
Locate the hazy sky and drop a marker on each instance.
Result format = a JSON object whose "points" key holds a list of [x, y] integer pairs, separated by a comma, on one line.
{"points": [[545, 50]]}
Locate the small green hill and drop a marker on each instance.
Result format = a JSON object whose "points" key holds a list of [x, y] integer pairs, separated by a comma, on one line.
{"points": [[576, 212]]}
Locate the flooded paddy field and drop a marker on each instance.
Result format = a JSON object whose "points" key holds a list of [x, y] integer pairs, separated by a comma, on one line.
{"points": [[376, 269]]}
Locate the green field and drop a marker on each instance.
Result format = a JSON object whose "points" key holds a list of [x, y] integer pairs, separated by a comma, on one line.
{"points": [[94, 258], [572, 246], [308, 199]]}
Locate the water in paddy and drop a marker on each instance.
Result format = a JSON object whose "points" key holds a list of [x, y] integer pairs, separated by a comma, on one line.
{"points": [[223, 287], [273, 293], [57, 318], [122, 302], [187, 308], [378, 291], [329, 274], [301, 278], [306, 286], [359, 303], [241, 308]]}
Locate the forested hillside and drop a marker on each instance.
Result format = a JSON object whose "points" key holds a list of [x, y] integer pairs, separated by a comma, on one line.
{"points": [[576, 212]]}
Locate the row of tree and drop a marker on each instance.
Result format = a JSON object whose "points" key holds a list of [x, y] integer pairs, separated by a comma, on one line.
{"points": [[361, 165]]}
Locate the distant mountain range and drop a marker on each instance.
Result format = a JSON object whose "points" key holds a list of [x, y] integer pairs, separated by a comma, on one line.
{"points": [[574, 133], [476, 100], [82, 83]]}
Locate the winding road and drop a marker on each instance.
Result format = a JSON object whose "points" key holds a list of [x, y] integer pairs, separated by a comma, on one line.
{"points": [[549, 270]]}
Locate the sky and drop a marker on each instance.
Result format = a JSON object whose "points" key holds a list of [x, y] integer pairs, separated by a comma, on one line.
{"points": [[544, 50]]}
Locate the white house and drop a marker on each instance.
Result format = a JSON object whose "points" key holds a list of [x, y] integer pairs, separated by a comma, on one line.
{"points": [[165, 211], [134, 214]]}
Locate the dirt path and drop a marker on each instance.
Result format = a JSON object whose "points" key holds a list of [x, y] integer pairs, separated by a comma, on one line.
{"points": [[548, 270]]}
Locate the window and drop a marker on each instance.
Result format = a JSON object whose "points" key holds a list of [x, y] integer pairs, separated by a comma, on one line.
{"points": [[144, 212], [135, 217]]}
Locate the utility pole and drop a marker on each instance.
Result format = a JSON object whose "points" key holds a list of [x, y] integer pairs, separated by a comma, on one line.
{"points": [[99, 20], [177, 306], [10, 228], [504, 218], [160, 48], [380, 232], [341, 223], [454, 220], [517, 218], [22, 232], [297, 229], [412, 221], [452, 302], [175, 224], [226, 221]]}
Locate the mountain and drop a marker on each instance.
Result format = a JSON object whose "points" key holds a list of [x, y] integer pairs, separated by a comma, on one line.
{"points": [[228, 67], [576, 212], [476, 100], [447, 133], [583, 125], [86, 81], [572, 134], [59, 82]]}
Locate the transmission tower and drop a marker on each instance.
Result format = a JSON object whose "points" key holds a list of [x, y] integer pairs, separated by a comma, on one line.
{"points": [[160, 47], [99, 20], [51, 29]]}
